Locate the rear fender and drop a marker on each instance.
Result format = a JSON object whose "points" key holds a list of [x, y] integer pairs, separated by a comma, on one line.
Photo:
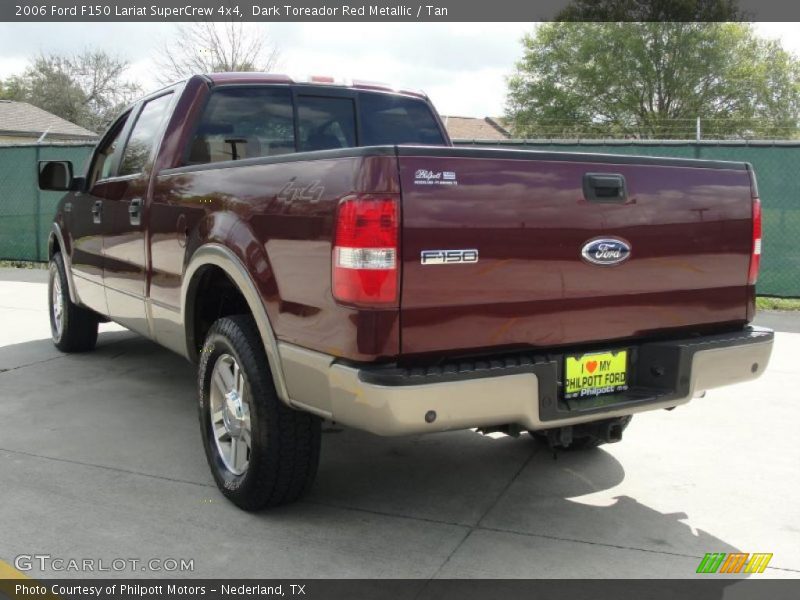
{"points": [[221, 256]]}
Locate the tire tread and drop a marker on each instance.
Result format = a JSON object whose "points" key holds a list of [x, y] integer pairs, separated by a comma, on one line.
{"points": [[290, 438], [79, 329]]}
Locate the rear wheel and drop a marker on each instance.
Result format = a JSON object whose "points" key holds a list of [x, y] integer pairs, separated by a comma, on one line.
{"points": [[261, 452], [72, 327]]}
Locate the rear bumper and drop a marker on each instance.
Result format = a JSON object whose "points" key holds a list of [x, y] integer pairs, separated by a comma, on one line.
{"points": [[522, 389]]}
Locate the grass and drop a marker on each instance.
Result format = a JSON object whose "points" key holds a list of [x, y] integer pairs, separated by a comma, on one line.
{"points": [[770, 303], [22, 264]]}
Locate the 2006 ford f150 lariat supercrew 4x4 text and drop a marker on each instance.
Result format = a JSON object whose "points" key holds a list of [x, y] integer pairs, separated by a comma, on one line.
{"points": [[322, 251]]}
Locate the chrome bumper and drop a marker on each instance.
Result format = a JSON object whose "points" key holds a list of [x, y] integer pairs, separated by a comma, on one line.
{"points": [[522, 390]]}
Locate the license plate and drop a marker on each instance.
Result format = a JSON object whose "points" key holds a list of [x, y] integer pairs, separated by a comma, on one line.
{"points": [[595, 373]]}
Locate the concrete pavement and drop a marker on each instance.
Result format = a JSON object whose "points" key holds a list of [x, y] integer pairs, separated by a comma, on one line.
{"points": [[100, 457]]}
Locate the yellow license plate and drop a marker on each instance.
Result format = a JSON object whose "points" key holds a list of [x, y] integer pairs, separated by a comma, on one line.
{"points": [[596, 373]]}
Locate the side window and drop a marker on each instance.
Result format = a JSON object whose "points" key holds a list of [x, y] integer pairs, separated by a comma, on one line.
{"points": [[324, 123], [244, 122], [144, 135], [107, 152]]}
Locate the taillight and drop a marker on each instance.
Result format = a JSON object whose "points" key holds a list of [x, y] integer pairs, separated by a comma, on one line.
{"points": [[755, 256], [365, 248]]}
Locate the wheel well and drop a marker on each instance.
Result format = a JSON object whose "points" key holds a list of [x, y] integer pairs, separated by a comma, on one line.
{"points": [[213, 295], [53, 246]]}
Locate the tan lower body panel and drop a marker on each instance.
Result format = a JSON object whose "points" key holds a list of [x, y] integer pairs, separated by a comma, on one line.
{"points": [[725, 366], [317, 384]]}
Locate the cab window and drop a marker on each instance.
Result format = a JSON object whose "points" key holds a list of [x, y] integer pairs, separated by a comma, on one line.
{"points": [[107, 152], [251, 121], [244, 122], [144, 135]]}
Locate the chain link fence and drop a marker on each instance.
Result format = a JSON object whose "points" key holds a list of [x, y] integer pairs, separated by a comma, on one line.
{"points": [[26, 214], [775, 164]]}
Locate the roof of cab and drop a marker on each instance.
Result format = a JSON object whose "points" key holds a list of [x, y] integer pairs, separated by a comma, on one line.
{"points": [[257, 77]]}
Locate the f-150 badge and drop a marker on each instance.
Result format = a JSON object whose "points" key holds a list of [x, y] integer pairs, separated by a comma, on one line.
{"points": [[448, 257]]}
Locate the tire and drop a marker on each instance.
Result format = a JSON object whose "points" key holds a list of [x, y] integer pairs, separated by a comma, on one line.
{"points": [[581, 442], [72, 327], [280, 461]]}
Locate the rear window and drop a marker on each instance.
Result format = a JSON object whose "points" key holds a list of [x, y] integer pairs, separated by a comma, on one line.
{"points": [[253, 121], [388, 119], [325, 123]]}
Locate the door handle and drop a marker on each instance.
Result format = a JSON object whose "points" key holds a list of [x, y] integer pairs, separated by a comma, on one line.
{"points": [[97, 211], [604, 187], [135, 211]]}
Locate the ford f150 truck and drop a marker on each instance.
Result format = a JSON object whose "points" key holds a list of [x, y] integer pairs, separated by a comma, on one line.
{"points": [[323, 252]]}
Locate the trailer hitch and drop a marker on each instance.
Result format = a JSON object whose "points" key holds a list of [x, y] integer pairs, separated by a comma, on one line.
{"points": [[607, 431]]}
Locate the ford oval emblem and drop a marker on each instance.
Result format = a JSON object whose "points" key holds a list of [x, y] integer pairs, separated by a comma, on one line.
{"points": [[606, 251]]}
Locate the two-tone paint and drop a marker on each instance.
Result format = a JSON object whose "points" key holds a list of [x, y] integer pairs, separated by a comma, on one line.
{"points": [[687, 223]]}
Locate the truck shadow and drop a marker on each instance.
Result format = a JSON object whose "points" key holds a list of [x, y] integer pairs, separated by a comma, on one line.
{"points": [[557, 517], [524, 514]]}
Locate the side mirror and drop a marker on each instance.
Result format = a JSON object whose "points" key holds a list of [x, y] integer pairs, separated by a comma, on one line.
{"points": [[55, 175]]}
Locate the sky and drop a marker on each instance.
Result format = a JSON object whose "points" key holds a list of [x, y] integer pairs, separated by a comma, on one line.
{"points": [[462, 66]]}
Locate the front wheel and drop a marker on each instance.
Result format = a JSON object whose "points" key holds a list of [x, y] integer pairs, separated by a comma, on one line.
{"points": [[261, 452], [72, 327]]}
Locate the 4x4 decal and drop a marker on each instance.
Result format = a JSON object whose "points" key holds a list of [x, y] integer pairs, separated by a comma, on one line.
{"points": [[293, 191]]}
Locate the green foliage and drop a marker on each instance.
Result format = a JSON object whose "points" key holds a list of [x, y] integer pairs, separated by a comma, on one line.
{"points": [[10, 90], [87, 89], [652, 80], [652, 10]]}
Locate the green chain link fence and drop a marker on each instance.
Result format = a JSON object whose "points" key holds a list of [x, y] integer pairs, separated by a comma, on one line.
{"points": [[777, 167], [26, 213]]}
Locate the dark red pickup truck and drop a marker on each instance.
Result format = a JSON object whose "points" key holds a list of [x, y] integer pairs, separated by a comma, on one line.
{"points": [[322, 251]]}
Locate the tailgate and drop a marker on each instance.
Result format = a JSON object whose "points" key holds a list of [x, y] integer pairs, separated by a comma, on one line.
{"points": [[687, 224]]}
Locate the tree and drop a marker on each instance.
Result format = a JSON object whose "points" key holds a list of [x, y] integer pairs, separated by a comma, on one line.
{"points": [[653, 80], [205, 47], [652, 10], [10, 89], [87, 89]]}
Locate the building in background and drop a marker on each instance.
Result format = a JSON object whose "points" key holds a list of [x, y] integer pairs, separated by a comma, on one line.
{"points": [[472, 128], [23, 123]]}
